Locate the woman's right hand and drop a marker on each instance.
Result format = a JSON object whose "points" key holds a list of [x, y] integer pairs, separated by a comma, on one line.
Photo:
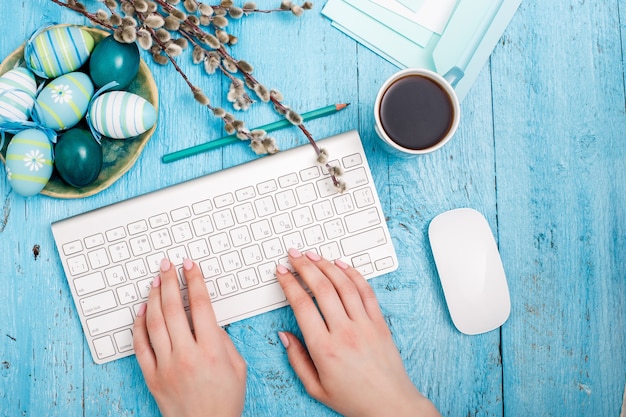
{"points": [[350, 362]]}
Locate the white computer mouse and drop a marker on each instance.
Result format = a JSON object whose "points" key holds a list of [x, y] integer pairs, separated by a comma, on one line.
{"points": [[470, 270]]}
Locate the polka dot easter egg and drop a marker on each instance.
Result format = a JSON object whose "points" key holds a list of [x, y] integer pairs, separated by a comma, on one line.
{"points": [[121, 115], [64, 101], [29, 162], [58, 50], [17, 95]]}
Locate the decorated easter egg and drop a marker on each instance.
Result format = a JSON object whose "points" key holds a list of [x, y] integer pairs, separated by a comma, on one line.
{"points": [[64, 101], [29, 162], [78, 157], [58, 50], [121, 115], [17, 95], [114, 61]]}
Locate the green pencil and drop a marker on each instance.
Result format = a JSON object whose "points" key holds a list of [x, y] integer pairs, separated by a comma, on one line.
{"points": [[226, 140]]}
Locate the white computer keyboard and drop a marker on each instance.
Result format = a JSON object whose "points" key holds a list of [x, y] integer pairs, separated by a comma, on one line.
{"points": [[237, 224]]}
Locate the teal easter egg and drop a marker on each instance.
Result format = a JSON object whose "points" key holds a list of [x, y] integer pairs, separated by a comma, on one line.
{"points": [[29, 162], [64, 101], [17, 95], [121, 115], [58, 50], [114, 61], [78, 157]]}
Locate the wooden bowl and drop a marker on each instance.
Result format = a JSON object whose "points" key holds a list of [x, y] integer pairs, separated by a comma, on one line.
{"points": [[118, 155]]}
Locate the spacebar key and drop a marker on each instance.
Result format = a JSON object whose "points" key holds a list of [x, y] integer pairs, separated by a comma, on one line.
{"points": [[249, 303]]}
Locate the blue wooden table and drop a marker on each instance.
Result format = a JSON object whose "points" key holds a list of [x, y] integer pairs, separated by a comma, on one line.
{"points": [[540, 152]]}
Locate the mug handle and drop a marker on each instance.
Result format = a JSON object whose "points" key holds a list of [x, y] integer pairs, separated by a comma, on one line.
{"points": [[454, 75]]}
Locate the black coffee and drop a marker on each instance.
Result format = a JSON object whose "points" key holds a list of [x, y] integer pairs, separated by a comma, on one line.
{"points": [[416, 112]]}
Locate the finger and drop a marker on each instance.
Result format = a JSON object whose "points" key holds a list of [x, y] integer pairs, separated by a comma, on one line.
{"points": [[366, 293], [141, 344], [155, 323], [345, 287], [233, 355], [202, 314], [172, 306], [307, 314], [303, 365], [322, 288]]}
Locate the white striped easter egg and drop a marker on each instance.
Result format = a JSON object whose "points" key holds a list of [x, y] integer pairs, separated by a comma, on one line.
{"points": [[121, 115], [29, 162], [64, 101], [17, 95], [59, 50]]}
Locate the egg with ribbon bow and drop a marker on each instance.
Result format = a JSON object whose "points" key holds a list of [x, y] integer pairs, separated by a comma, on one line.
{"points": [[17, 95], [114, 61], [121, 115], [58, 50], [28, 162], [78, 157], [64, 101]]}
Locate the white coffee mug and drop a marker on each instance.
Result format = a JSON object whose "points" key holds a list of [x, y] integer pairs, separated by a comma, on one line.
{"points": [[417, 111]]}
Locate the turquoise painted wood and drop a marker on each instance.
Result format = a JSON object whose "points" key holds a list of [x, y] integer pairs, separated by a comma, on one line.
{"points": [[540, 151]]}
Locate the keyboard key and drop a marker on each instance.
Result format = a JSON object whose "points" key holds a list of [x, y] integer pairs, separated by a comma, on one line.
{"points": [[363, 197], [246, 303], [334, 228], [115, 275], [77, 265], [219, 242], [363, 241], [94, 240], [247, 278], [198, 249], [293, 240], [159, 220], [227, 285], [302, 216], [355, 178], [161, 239], [384, 263], [119, 252], [309, 173], [224, 200], [72, 247], [267, 271], [180, 214], [223, 219], [154, 261], [363, 219], [240, 236], [98, 258], [288, 180], [244, 213], [323, 210], [177, 255], [245, 193], [306, 193], [137, 268], [210, 268], [202, 207], [115, 234], [313, 235], [352, 160], [140, 245], [265, 206], [330, 251], [266, 187], [98, 303], [343, 204], [286, 200], [210, 286], [273, 248], [110, 321], [230, 261], [261, 230], [104, 347], [182, 232], [282, 223], [202, 225], [127, 294], [326, 187], [89, 283], [251, 255], [124, 340], [137, 227]]}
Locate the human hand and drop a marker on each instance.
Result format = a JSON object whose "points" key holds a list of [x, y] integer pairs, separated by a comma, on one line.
{"points": [[189, 374], [352, 364]]}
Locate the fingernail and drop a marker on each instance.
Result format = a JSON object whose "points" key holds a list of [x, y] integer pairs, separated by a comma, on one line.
{"points": [[283, 339], [156, 281], [142, 310], [187, 264], [313, 256], [165, 264], [281, 269], [294, 253], [341, 264]]}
